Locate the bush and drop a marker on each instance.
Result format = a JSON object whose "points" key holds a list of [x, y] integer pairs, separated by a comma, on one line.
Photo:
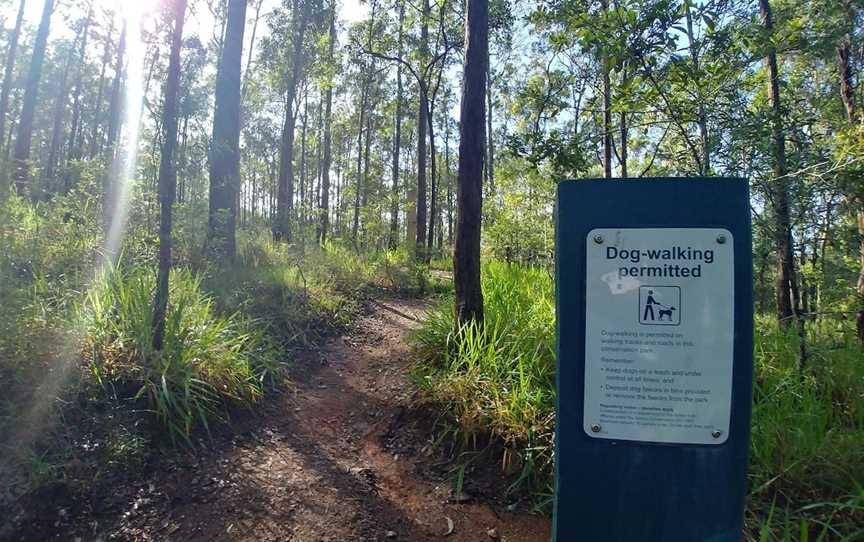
{"points": [[499, 379], [207, 362], [807, 442]]}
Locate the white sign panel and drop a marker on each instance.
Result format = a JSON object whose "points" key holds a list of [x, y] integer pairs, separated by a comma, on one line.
{"points": [[659, 334]]}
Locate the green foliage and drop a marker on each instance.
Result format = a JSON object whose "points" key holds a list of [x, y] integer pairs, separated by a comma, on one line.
{"points": [[207, 360], [500, 378], [807, 443]]}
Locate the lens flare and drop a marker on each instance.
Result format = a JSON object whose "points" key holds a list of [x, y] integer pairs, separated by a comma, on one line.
{"points": [[123, 168]]}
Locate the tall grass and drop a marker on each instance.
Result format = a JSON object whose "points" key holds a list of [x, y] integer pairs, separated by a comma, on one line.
{"points": [[208, 361], [499, 379], [807, 445]]}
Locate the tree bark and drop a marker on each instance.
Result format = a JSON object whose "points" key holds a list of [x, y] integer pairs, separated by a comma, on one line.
{"points": [[702, 117], [472, 131], [50, 173], [422, 125], [786, 286], [607, 111], [97, 105], [225, 143], [111, 170], [397, 136], [74, 145], [168, 175], [433, 192], [490, 153], [21, 156], [847, 94], [8, 76], [622, 116], [324, 205], [285, 196]]}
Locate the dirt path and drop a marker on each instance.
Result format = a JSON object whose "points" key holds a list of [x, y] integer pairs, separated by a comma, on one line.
{"points": [[319, 463]]}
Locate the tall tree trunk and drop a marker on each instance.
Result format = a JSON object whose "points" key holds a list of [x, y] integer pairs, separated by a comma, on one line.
{"points": [[168, 175], [860, 315], [490, 153], [433, 192], [114, 107], [8, 76], [110, 179], [607, 111], [50, 174], [622, 116], [786, 286], [324, 208], [304, 126], [422, 125], [702, 116], [225, 144], [74, 145], [285, 197], [448, 178], [472, 132], [97, 105], [355, 225], [397, 136], [847, 94], [251, 49], [21, 156]]}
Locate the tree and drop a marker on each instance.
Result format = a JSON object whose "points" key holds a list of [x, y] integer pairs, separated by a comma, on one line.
{"points": [[285, 196], [422, 125], [472, 140], [225, 145], [74, 144], [168, 174], [112, 170], [21, 157], [324, 202], [8, 73], [786, 289], [397, 134]]}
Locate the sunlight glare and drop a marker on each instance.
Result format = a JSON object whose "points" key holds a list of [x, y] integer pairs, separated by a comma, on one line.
{"points": [[123, 169]]}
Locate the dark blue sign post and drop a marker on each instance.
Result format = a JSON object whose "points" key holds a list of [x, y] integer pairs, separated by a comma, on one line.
{"points": [[655, 340]]}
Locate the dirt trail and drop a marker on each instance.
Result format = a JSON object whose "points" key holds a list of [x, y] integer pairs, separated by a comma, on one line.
{"points": [[318, 463]]}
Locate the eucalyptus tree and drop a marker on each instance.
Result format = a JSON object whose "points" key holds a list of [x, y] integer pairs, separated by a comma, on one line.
{"points": [[8, 75], [225, 144], [472, 140], [23, 140], [168, 172], [324, 201], [786, 290]]}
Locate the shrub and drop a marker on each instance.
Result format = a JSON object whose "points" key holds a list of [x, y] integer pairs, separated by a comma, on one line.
{"points": [[207, 362], [807, 441], [499, 379]]}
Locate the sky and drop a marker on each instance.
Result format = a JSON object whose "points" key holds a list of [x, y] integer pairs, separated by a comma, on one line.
{"points": [[198, 22]]}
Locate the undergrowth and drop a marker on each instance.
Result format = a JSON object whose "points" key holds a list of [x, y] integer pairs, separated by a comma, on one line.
{"points": [[76, 343], [806, 470]]}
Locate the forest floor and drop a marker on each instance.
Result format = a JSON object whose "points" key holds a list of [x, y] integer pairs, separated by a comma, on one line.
{"points": [[339, 453]]}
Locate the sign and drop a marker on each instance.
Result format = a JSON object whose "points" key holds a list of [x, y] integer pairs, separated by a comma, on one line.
{"points": [[655, 324], [659, 334]]}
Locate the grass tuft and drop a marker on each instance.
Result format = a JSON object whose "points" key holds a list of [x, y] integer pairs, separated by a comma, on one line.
{"points": [[207, 363]]}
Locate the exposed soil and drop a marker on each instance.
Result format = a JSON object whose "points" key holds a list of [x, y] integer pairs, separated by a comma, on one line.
{"points": [[340, 454]]}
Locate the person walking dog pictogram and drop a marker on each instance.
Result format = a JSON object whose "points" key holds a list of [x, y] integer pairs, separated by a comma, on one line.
{"points": [[649, 306]]}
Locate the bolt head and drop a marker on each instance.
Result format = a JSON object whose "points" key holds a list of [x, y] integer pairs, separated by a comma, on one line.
{"points": [[721, 239], [595, 428], [716, 433], [598, 239]]}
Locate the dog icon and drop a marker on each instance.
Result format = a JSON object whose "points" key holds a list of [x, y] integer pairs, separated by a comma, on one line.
{"points": [[665, 312]]}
